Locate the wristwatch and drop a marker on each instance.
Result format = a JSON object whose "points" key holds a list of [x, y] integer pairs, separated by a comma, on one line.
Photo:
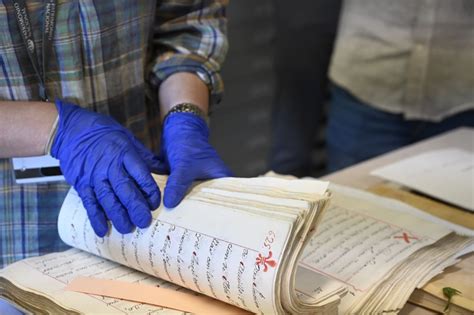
{"points": [[187, 108]]}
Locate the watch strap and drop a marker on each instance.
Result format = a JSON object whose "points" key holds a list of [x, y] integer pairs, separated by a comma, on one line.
{"points": [[187, 108]]}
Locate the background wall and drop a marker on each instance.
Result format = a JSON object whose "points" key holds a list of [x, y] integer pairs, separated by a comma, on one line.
{"points": [[241, 124]]}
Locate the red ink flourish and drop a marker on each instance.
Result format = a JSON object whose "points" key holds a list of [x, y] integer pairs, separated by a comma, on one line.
{"points": [[260, 260]]}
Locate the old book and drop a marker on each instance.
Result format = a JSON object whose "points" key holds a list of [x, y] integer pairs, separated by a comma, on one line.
{"points": [[236, 240], [262, 245]]}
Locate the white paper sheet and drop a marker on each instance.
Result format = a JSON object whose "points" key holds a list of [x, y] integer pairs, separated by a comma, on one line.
{"points": [[446, 174], [361, 238]]}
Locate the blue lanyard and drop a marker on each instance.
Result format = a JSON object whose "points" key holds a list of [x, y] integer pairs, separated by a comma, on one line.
{"points": [[49, 22]]}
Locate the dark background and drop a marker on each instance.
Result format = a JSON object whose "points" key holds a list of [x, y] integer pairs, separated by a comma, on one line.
{"points": [[266, 39]]}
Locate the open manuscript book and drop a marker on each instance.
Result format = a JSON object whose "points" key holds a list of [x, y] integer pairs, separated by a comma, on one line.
{"points": [[237, 240], [252, 243]]}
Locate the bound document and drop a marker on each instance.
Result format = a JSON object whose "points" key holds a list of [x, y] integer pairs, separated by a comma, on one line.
{"points": [[233, 239], [265, 245]]}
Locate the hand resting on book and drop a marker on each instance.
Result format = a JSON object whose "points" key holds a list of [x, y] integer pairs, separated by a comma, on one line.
{"points": [[109, 168], [187, 155]]}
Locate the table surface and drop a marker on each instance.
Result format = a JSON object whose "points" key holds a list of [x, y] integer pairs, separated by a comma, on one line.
{"points": [[358, 176]]}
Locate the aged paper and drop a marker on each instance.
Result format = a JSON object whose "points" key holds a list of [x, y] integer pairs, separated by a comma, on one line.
{"points": [[54, 271], [153, 295], [233, 239], [358, 243], [178, 247]]}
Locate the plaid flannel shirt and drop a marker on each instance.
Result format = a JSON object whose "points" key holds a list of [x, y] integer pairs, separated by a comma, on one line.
{"points": [[110, 57]]}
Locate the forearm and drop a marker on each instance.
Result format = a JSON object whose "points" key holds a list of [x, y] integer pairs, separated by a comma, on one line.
{"points": [[190, 40], [25, 127], [183, 87]]}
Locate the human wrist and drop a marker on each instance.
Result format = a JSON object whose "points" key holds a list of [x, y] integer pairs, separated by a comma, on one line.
{"points": [[183, 127], [71, 125], [52, 135], [183, 87], [188, 108], [34, 134]]}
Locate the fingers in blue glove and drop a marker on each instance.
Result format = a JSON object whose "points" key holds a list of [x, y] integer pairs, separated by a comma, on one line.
{"points": [[112, 206], [154, 163], [127, 191], [216, 168], [180, 180], [94, 212], [141, 175], [92, 148], [177, 185]]}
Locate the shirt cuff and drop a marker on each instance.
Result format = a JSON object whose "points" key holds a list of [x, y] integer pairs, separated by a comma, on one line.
{"points": [[204, 69]]}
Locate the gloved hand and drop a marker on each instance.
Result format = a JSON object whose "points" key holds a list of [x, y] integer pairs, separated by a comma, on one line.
{"points": [[188, 156], [109, 168]]}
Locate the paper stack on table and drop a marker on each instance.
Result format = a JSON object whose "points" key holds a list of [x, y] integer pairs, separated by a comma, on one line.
{"points": [[460, 276], [379, 248], [241, 241], [237, 240]]}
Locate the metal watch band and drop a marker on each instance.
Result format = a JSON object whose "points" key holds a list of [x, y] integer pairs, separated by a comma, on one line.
{"points": [[187, 108]]}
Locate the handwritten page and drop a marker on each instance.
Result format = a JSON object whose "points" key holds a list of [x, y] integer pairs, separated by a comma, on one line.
{"points": [[358, 243], [217, 242], [446, 174], [236, 240], [54, 271]]}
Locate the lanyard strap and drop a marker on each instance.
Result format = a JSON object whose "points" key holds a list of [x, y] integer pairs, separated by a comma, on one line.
{"points": [[49, 22]]}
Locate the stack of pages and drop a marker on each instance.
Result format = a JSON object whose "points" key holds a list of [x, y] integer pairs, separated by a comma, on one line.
{"points": [[265, 245], [233, 239], [380, 249], [461, 277]]}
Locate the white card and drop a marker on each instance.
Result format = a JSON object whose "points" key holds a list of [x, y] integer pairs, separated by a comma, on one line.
{"points": [[36, 169]]}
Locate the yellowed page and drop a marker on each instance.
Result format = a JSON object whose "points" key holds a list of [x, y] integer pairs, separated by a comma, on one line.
{"points": [[49, 275], [214, 249], [360, 239], [152, 295]]}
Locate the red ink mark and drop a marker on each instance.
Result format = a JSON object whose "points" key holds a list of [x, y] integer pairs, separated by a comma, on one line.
{"points": [[265, 261], [406, 238]]}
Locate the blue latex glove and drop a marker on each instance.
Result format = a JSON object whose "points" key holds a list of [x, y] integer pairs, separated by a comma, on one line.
{"points": [[109, 168], [187, 155]]}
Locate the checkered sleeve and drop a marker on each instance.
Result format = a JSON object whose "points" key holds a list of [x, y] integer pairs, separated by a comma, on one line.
{"points": [[190, 36]]}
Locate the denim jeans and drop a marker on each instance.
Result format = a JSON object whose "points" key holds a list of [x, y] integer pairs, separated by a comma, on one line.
{"points": [[305, 33], [357, 131]]}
